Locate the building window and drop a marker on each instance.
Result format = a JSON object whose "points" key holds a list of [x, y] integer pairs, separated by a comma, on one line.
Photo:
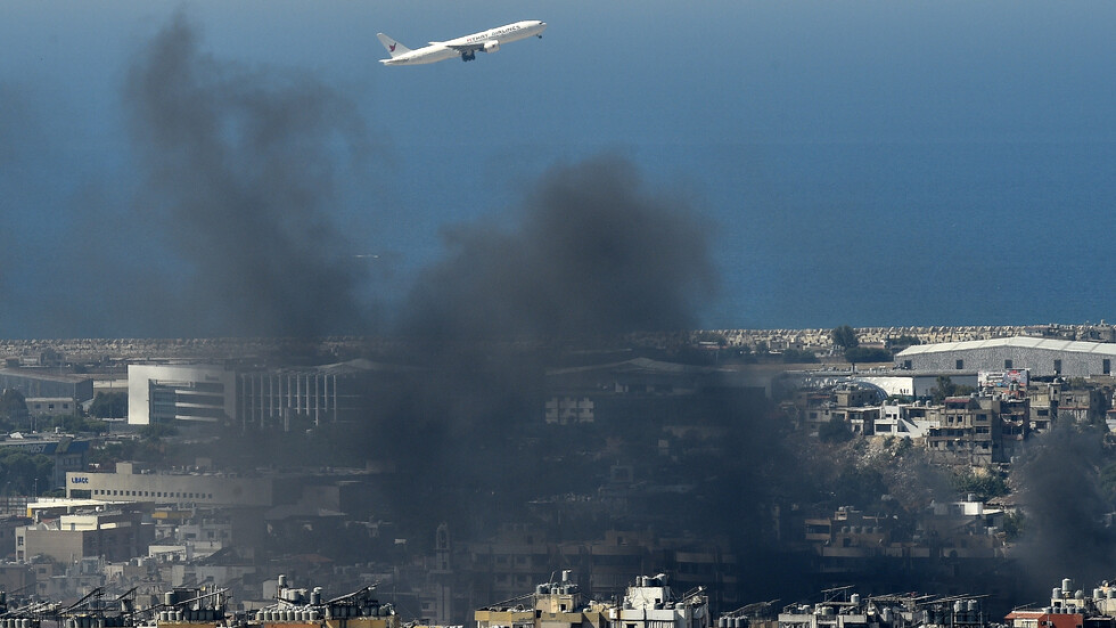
{"points": [[1106, 366], [960, 365], [1057, 367], [1007, 364]]}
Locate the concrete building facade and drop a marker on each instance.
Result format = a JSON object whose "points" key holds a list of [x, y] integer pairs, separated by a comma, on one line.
{"points": [[116, 535], [208, 489], [160, 393]]}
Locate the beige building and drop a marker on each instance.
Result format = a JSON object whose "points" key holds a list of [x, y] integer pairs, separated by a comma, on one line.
{"points": [[116, 535], [211, 489]]}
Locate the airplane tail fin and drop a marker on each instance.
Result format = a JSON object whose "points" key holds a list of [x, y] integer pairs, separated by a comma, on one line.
{"points": [[393, 47]]}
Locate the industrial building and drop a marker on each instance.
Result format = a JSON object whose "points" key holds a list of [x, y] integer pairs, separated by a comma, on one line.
{"points": [[34, 384], [1044, 357], [325, 394]]}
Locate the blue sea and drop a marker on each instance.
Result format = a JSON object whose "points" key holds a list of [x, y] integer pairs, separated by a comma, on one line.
{"points": [[912, 234]]}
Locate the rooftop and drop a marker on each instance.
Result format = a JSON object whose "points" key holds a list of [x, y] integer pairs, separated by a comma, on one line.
{"points": [[1016, 342]]}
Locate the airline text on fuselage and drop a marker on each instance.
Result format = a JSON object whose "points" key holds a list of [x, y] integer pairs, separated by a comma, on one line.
{"points": [[494, 33]]}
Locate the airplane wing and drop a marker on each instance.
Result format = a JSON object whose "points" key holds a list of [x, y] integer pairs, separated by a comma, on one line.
{"points": [[469, 51], [465, 48]]}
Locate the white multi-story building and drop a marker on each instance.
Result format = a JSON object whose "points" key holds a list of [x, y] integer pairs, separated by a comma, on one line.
{"points": [[652, 604], [160, 393]]}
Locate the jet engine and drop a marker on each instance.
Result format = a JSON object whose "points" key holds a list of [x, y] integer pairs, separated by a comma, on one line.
{"points": [[491, 46]]}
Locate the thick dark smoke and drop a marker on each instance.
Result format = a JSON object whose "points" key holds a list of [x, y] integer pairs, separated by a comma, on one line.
{"points": [[241, 172], [590, 252], [1064, 534], [594, 252]]}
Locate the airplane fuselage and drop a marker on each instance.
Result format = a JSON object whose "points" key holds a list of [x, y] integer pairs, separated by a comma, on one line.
{"points": [[465, 47]]}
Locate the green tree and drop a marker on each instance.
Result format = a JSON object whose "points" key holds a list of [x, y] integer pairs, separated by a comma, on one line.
{"points": [[844, 337], [13, 405], [113, 405], [25, 474], [72, 424], [984, 484]]}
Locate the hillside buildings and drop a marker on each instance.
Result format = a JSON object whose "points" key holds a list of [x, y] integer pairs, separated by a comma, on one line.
{"points": [[117, 535]]}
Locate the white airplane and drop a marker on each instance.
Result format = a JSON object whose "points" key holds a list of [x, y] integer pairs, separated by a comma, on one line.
{"points": [[465, 47]]}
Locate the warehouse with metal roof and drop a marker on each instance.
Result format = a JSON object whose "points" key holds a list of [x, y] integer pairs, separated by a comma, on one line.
{"points": [[1044, 357]]}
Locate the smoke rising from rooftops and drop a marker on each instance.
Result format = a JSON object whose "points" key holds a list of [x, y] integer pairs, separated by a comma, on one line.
{"points": [[241, 168], [591, 251], [1064, 531]]}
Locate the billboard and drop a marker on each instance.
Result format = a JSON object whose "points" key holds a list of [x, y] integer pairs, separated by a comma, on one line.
{"points": [[1004, 379]]}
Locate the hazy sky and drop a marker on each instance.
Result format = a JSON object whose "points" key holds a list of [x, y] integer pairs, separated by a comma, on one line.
{"points": [[860, 162]]}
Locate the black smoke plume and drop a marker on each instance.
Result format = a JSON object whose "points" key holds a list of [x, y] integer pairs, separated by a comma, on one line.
{"points": [[593, 252], [1064, 533], [590, 252], [240, 174]]}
